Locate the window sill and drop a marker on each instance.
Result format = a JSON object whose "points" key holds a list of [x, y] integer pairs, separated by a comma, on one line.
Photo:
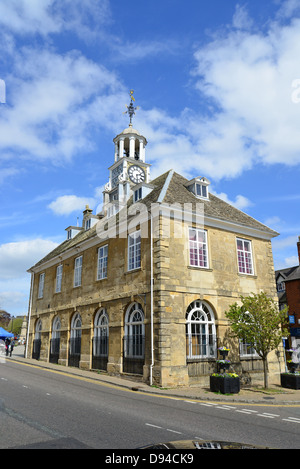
{"points": [[249, 357], [202, 359], [193, 267], [240, 274], [133, 270]]}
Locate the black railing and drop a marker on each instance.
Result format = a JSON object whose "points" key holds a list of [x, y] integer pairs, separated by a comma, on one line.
{"points": [[133, 354], [36, 349], [54, 350], [201, 345], [100, 352], [74, 351]]}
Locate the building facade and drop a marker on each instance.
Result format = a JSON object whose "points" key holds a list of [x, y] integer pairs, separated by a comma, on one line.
{"points": [[142, 287], [288, 290]]}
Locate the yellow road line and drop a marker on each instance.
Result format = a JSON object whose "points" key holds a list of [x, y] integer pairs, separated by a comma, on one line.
{"points": [[146, 393]]}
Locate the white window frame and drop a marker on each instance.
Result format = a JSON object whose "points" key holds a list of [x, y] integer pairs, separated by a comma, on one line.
{"points": [[200, 331], [200, 249], [281, 286], [247, 350], [134, 250], [102, 262], [77, 271], [41, 285], [101, 333], [201, 190], [59, 270], [56, 327], [243, 256], [134, 331]]}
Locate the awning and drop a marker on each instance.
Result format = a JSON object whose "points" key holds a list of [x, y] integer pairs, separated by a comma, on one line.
{"points": [[4, 334]]}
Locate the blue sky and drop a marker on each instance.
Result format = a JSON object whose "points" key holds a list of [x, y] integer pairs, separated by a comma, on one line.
{"points": [[218, 85]]}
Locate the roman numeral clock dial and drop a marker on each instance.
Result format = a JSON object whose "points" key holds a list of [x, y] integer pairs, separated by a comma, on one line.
{"points": [[136, 174]]}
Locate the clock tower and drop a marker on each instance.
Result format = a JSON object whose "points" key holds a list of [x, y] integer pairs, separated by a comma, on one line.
{"points": [[129, 168]]}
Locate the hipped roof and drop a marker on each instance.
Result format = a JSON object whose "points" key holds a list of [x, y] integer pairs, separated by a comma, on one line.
{"points": [[170, 188]]}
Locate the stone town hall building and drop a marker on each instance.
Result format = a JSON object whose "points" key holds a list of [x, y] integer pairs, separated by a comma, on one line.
{"points": [[142, 287]]}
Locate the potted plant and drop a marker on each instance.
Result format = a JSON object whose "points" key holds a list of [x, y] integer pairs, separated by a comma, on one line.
{"points": [[225, 383], [223, 351], [223, 364], [290, 380]]}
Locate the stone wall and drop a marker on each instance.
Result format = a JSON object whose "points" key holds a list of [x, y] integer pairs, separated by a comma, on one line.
{"points": [[176, 285]]}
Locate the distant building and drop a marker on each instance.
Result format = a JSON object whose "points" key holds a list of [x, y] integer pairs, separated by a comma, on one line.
{"points": [[142, 287], [288, 290]]}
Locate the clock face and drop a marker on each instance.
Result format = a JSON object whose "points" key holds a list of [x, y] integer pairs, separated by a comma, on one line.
{"points": [[136, 174]]}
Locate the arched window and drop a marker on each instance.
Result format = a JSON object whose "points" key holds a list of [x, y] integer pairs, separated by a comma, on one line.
{"points": [[36, 346], [101, 333], [56, 326], [134, 331], [75, 340], [76, 326], [38, 330], [200, 331], [55, 340]]}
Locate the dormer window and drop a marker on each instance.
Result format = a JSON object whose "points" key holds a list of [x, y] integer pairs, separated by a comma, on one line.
{"points": [[199, 187], [141, 190], [73, 231], [201, 190]]}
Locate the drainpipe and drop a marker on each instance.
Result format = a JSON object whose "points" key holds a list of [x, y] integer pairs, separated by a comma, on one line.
{"points": [[29, 312], [151, 297]]}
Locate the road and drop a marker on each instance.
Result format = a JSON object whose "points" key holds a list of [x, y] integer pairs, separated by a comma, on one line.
{"points": [[40, 408]]}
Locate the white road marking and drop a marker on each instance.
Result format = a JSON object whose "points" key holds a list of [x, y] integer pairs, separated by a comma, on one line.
{"points": [[173, 431]]}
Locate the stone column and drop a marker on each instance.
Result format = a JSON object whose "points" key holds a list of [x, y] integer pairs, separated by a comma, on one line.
{"points": [[131, 147]]}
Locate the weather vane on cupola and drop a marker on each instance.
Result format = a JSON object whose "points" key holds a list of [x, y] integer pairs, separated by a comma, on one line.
{"points": [[131, 109]]}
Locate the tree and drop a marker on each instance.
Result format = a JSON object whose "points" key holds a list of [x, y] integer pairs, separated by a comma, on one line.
{"points": [[4, 318], [260, 323]]}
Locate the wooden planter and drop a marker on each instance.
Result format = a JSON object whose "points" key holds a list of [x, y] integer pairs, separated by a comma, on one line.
{"points": [[224, 385], [290, 380]]}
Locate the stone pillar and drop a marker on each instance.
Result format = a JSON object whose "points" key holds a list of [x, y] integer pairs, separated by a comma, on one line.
{"points": [[131, 147], [121, 147], [142, 151]]}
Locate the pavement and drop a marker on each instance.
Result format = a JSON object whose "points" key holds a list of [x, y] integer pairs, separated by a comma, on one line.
{"points": [[276, 395]]}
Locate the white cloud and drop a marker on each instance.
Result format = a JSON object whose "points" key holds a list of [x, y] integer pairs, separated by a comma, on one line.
{"points": [[275, 222], [53, 16], [248, 78], [67, 204], [291, 261], [241, 202], [283, 243], [13, 301], [50, 113], [16, 258], [241, 19], [245, 78], [140, 50]]}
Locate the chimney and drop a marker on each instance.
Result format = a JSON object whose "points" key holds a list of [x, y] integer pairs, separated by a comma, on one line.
{"points": [[298, 246]]}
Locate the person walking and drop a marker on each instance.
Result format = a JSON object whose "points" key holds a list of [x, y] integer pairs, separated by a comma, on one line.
{"points": [[7, 344], [11, 346]]}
